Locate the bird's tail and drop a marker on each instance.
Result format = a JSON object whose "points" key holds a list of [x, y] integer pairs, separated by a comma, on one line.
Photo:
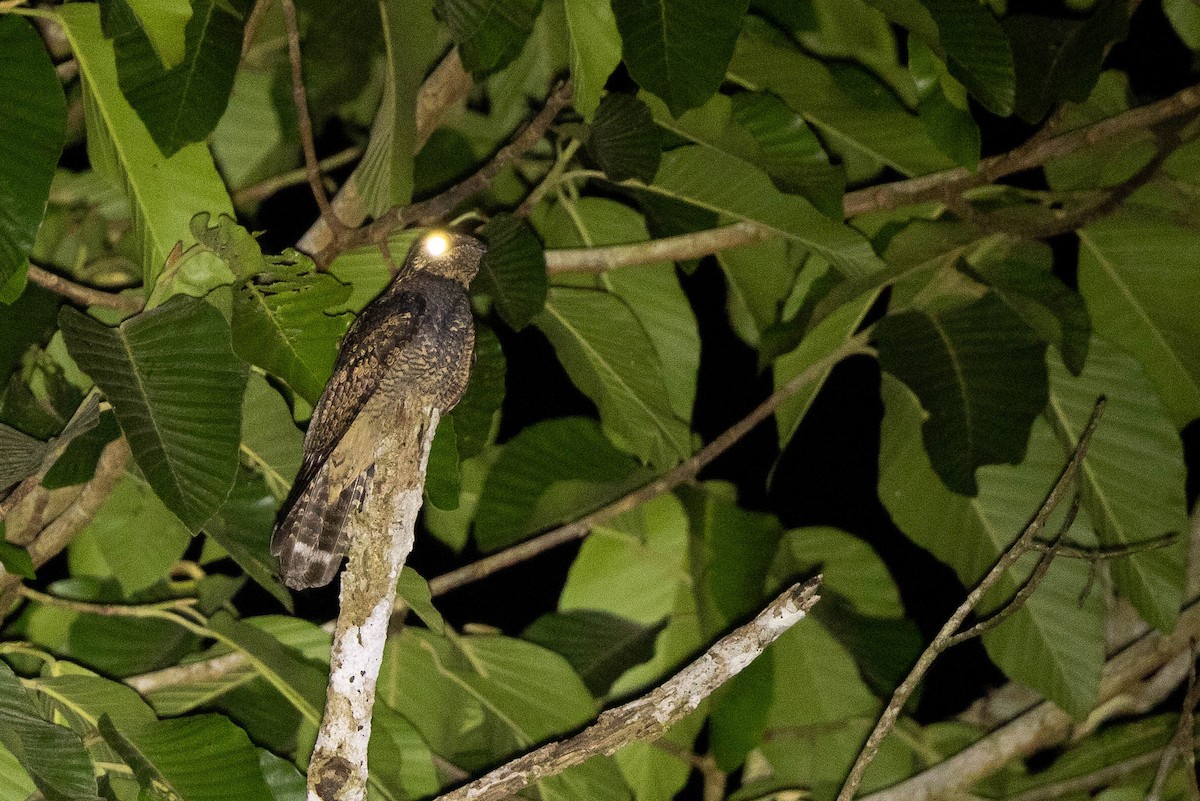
{"points": [[312, 534]]}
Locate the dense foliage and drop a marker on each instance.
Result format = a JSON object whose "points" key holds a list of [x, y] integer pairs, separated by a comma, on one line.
{"points": [[837, 163]]}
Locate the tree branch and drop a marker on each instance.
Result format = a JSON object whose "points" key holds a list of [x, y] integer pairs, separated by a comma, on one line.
{"points": [[54, 537], [1045, 725], [304, 121], [946, 636], [83, 295], [445, 86], [668, 481], [381, 536], [437, 207], [1182, 745], [943, 186], [650, 716], [264, 189]]}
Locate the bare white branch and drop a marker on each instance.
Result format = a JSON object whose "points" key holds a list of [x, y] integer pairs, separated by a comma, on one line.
{"points": [[649, 717]]}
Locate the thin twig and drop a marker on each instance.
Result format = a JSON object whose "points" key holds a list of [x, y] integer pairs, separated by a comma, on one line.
{"points": [[304, 121], [548, 180], [437, 207], [650, 716], [253, 23], [48, 542], [1027, 589], [446, 85], [1132, 674], [264, 189], [944, 637], [84, 295], [1089, 782], [945, 186], [1181, 745], [668, 481]]}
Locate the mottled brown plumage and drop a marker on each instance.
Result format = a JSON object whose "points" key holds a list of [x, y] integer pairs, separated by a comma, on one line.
{"points": [[411, 346]]}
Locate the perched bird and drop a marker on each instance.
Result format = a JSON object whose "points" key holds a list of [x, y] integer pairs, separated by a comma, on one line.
{"points": [[412, 346]]}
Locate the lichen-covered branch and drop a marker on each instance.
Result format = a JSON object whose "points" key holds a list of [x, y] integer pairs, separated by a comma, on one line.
{"points": [[650, 716], [381, 537]]}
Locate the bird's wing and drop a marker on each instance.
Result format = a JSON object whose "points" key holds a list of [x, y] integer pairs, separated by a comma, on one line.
{"points": [[362, 362]]}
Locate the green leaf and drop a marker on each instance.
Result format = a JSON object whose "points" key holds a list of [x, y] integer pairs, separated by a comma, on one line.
{"points": [[385, 175], [14, 558], [77, 464], [181, 104], [484, 696], [634, 565], [652, 292], [731, 549], [1059, 58], [850, 567], [817, 343], [22, 455], [980, 372], [513, 271], [441, 472], [789, 151], [624, 140], [1141, 283], [1022, 278], [977, 52], [489, 33], [165, 23], [876, 128], [280, 323], [595, 50], [294, 677], [33, 125], [164, 193], [170, 374], [257, 137], [197, 758], [609, 356], [271, 442], [678, 49], [285, 781], [943, 106], [570, 452], [82, 698], [475, 415], [133, 538], [760, 129], [1132, 478], [599, 645], [1185, 17], [740, 191], [243, 525], [401, 764], [1052, 643], [415, 592], [53, 756], [812, 735], [280, 303]]}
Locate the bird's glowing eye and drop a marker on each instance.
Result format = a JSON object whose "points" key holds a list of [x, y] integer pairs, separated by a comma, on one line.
{"points": [[437, 244]]}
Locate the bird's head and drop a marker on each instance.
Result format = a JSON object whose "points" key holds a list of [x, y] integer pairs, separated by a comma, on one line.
{"points": [[448, 254]]}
